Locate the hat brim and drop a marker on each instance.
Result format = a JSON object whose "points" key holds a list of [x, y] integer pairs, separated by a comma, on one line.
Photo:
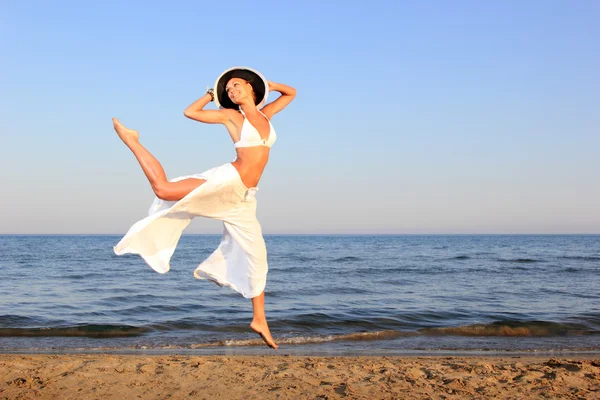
{"points": [[256, 79]]}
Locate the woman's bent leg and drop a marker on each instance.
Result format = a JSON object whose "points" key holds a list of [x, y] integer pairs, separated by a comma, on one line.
{"points": [[165, 190], [259, 320]]}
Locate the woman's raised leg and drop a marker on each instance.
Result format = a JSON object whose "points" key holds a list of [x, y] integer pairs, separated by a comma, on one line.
{"points": [[165, 190], [259, 321]]}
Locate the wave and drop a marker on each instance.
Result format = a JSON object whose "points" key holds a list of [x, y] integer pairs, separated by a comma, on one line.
{"points": [[127, 299], [288, 269], [519, 260], [511, 329], [346, 259], [300, 340], [330, 325], [584, 258], [408, 269], [90, 331], [156, 309], [495, 329], [349, 290], [11, 320], [297, 257]]}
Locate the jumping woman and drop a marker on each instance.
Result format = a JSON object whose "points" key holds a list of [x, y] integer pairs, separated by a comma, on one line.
{"points": [[225, 192]]}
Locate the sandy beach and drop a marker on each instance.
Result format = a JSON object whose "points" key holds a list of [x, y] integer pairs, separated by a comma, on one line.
{"points": [[105, 376]]}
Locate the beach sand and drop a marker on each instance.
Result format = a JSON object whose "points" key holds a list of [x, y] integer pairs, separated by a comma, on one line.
{"points": [[106, 376]]}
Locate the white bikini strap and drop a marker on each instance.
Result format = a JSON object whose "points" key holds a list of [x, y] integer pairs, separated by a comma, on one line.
{"points": [[263, 114]]}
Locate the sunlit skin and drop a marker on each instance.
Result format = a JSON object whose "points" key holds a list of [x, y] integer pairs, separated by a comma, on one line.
{"points": [[250, 161]]}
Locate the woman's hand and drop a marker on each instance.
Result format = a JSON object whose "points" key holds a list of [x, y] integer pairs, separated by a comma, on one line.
{"points": [[281, 88]]}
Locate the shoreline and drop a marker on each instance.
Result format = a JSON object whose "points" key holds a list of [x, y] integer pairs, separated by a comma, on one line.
{"points": [[91, 376], [260, 351]]}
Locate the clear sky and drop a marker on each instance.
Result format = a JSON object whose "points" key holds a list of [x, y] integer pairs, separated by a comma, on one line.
{"points": [[411, 116]]}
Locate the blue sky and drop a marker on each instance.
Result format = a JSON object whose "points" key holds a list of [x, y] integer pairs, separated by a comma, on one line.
{"points": [[411, 117]]}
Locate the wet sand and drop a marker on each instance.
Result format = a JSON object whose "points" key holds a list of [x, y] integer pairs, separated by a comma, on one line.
{"points": [[106, 376]]}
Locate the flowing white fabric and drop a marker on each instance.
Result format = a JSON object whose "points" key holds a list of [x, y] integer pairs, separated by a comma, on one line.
{"points": [[240, 261]]}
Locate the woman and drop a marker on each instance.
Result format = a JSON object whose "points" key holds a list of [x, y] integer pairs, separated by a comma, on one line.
{"points": [[225, 192]]}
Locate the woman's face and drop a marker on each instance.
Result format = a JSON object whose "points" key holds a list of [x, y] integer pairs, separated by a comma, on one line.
{"points": [[238, 89]]}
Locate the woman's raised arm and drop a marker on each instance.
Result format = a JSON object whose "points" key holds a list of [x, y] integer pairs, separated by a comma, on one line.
{"points": [[195, 111], [287, 95]]}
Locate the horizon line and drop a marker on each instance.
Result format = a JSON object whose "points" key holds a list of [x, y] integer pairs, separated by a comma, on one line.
{"points": [[324, 234]]}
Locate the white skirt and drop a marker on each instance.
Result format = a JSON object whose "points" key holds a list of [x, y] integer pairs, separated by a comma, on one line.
{"points": [[240, 261]]}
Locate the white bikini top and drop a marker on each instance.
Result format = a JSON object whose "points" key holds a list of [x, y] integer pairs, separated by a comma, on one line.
{"points": [[250, 137]]}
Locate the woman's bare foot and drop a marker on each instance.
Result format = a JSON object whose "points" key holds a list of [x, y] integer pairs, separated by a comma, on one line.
{"points": [[262, 329], [127, 135]]}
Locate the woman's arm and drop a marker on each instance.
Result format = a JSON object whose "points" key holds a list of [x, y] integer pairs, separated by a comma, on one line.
{"points": [[195, 111], [287, 95]]}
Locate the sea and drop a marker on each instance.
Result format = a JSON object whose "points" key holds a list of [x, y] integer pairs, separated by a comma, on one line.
{"points": [[326, 295]]}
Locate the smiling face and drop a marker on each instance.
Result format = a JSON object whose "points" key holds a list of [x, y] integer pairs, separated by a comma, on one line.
{"points": [[238, 89]]}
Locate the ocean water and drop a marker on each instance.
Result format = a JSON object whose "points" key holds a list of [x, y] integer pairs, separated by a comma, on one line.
{"points": [[367, 295]]}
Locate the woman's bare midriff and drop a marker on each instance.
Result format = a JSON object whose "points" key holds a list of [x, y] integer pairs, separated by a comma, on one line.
{"points": [[250, 164]]}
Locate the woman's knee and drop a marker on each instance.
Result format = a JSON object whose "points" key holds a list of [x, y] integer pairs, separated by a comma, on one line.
{"points": [[175, 191], [164, 191]]}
